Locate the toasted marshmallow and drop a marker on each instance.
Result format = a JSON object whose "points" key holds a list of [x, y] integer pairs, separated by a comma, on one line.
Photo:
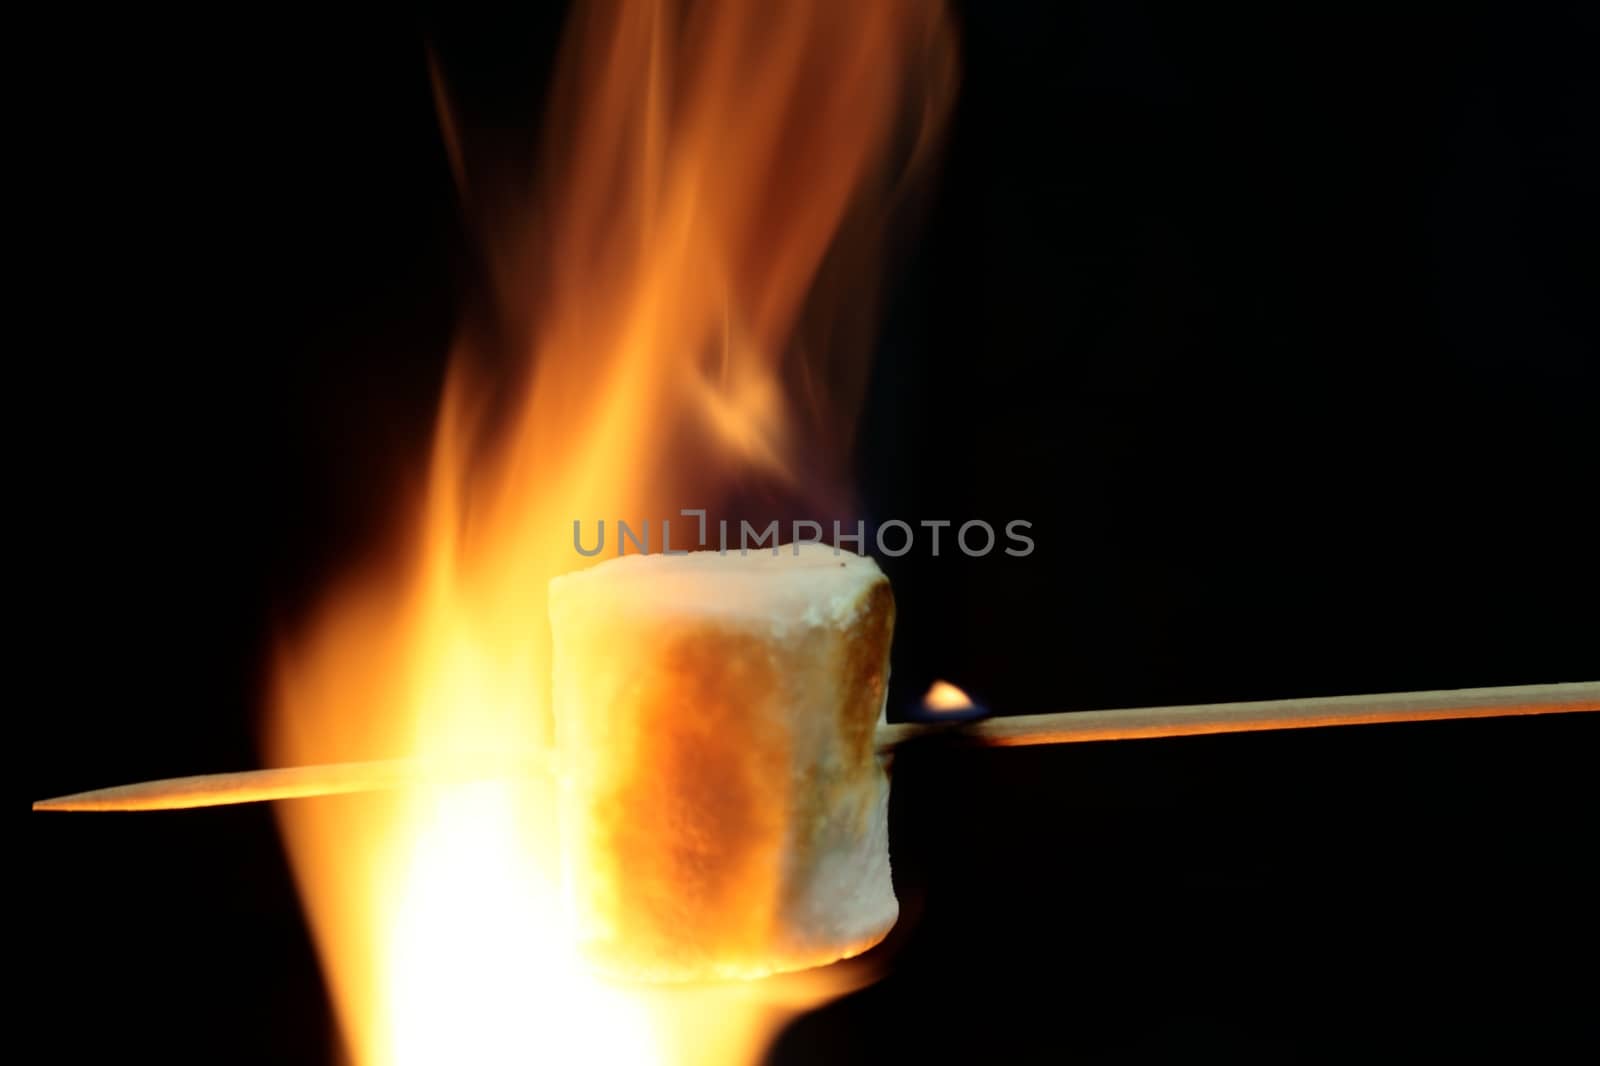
{"points": [[724, 809]]}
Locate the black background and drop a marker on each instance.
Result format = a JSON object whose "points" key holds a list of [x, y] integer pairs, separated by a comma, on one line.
{"points": [[1277, 322]]}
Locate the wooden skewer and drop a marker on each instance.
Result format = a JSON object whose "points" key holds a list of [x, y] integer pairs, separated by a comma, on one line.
{"points": [[293, 782], [252, 786], [1136, 723], [249, 786]]}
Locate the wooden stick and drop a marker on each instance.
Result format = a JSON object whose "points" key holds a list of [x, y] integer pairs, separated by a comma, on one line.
{"points": [[293, 782], [211, 790], [1136, 723]]}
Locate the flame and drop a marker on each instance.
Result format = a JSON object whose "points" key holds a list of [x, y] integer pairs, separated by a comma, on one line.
{"points": [[681, 294], [943, 696]]}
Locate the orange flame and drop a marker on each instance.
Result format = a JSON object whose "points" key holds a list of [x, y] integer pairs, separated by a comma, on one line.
{"points": [[682, 295], [943, 696]]}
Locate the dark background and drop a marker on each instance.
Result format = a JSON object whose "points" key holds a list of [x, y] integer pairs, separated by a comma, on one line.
{"points": [[1279, 325]]}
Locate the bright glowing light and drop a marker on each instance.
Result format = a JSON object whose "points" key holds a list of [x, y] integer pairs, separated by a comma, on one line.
{"points": [[717, 173], [943, 696]]}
